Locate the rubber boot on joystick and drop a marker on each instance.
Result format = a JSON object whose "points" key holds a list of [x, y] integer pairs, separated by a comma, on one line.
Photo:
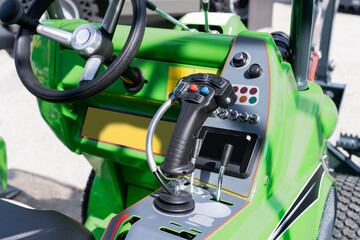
{"points": [[175, 204]]}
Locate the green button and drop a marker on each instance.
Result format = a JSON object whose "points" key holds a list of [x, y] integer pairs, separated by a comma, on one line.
{"points": [[252, 100]]}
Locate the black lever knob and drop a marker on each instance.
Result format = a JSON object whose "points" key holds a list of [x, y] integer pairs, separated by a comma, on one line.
{"points": [[255, 70], [240, 59], [12, 12]]}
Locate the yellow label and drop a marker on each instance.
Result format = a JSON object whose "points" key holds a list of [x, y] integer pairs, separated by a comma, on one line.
{"points": [[198, 70], [125, 130], [176, 73]]}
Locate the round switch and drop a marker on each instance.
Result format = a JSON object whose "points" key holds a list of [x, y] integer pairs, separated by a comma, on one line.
{"points": [[193, 87], [205, 91], [240, 59], [255, 70]]}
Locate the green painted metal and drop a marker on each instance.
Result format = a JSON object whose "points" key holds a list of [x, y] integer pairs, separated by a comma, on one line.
{"points": [[3, 166], [299, 124]]}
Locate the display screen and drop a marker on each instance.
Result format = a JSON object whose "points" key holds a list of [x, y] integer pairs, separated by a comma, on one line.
{"points": [[242, 158]]}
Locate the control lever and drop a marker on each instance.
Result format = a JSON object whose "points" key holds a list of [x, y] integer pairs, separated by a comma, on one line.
{"points": [[193, 161], [225, 159], [199, 94], [154, 8], [206, 6]]}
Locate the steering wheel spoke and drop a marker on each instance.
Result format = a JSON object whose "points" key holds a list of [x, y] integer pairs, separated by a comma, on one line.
{"points": [[112, 15], [57, 35], [91, 68]]}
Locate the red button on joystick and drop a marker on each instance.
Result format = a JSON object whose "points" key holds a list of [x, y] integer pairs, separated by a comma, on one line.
{"points": [[193, 87]]}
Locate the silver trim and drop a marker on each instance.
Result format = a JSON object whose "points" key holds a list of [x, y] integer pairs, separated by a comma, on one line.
{"points": [[23, 205], [151, 130], [220, 180], [91, 68], [55, 34], [86, 39], [171, 19]]}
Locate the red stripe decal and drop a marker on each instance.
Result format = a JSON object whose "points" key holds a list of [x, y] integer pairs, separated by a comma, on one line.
{"points": [[118, 222]]}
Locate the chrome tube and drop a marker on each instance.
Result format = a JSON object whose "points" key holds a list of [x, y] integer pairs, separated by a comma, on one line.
{"points": [[151, 130]]}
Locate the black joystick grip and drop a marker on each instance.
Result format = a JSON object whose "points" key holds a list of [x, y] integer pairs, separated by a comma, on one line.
{"points": [[199, 95], [12, 12]]}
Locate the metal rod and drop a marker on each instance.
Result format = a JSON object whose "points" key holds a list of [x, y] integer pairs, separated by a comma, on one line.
{"points": [[193, 161], [55, 10], [192, 176], [205, 5], [225, 159], [300, 39], [55, 34], [220, 179], [171, 19], [112, 15], [154, 8], [323, 69]]}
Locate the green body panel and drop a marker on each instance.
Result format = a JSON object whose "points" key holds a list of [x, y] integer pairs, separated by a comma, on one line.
{"points": [[298, 125], [3, 167]]}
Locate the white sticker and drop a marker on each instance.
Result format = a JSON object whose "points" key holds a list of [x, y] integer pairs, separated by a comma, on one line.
{"points": [[214, 18]]}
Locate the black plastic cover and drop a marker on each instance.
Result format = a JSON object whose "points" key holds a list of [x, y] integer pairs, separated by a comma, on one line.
{"points": [[21, 223]]}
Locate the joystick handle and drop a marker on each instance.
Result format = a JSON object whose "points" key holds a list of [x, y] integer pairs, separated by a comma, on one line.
{"points": [[12, 12], [199, 95]]}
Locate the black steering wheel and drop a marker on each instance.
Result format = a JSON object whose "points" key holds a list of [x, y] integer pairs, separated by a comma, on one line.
{"points": [[93, 44]]}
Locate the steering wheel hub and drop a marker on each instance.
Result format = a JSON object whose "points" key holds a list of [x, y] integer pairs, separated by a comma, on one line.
{"points": [[86, 39]]}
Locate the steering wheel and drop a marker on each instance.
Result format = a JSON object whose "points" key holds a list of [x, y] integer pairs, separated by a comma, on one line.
{"points": [[92, 43]]}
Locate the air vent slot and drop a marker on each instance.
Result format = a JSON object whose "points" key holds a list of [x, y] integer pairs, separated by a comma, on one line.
{"points": [[182, 234], [222, 201]]}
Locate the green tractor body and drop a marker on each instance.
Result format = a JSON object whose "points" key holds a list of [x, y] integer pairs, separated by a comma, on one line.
{"points": [[283, 184]]}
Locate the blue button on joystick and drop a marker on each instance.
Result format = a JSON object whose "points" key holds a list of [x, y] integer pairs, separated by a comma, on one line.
{"points": [[205, 90]]}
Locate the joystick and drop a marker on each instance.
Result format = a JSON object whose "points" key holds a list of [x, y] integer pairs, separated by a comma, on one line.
{"points": [[199, 95]]}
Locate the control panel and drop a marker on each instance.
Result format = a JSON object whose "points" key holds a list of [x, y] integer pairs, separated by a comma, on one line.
{"points": [[244, 124], [251, 84]]}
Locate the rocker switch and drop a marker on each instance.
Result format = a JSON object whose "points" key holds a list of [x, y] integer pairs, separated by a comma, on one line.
{"points": [[194, 98], [218, 82]]}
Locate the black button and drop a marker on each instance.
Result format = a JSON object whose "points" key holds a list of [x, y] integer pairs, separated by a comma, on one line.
{"points": [[240, 59], [194, 98], [255, 70]]}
